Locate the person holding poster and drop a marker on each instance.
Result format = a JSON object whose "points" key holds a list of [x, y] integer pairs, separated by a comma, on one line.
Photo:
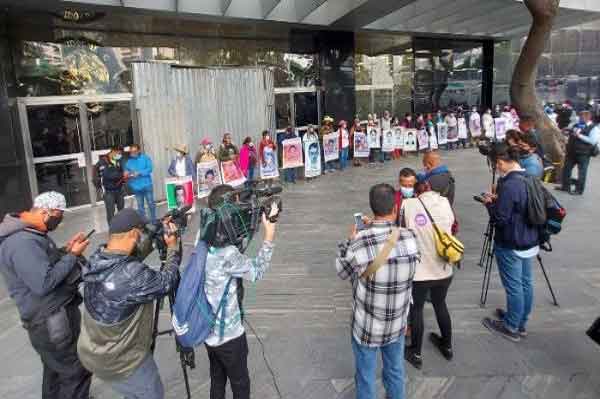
{"points": [[291, 148], [209, 176], [343, 143], [463, 133], [410, 140], [508, 118], [398, 140], [207, 152], [442, 133], [475, 126], [312, 154], [361, 146], [388, 143], [228, 151], [267, 152], [232, 174], [422, 140], [374, 139], [330, 151], [248, 160], [488, 124], [500, 128], [357, 128], [452, 123], [180, 192]]}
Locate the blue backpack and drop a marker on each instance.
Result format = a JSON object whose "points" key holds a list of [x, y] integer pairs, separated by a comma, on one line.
{"points": [[193, 316]]}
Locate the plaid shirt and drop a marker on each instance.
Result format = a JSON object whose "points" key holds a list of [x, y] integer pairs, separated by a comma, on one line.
{"points": [[381, 303]]}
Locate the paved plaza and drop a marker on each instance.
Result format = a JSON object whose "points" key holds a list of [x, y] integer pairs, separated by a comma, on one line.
{"points": [[301, 311]]}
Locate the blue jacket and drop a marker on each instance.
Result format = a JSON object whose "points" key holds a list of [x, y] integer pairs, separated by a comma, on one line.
{"points": [[142, 165], [189, 168], [533, 165], [509, 214]]}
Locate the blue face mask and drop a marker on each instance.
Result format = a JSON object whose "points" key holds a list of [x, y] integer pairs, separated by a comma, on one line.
{"points": [[407, 192]]}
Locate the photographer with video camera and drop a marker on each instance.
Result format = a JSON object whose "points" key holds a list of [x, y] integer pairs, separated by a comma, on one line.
{"points": [[119, 294], [516, 242], [42, 279], [226, 345]]}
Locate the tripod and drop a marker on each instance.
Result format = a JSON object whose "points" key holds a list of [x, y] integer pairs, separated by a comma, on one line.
{"points": [[187, 357], [487, 262]]}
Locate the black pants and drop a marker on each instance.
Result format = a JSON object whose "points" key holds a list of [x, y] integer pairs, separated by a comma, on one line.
{"points": [[112, 199], [229, 360], [64, 376], [582, 162], [438, 290]]}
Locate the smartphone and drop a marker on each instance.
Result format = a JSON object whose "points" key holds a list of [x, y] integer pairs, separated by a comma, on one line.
{"points": [[87, 237], [358, 221], [479, 198]]}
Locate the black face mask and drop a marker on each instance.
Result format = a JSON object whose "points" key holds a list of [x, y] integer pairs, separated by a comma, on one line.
{"points": [[143, 246], [53, 222]]}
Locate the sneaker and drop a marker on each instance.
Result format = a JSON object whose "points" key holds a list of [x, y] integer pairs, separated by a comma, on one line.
{"points": [[498, 327], [561, 188], [437, 341], [500, 315], [414, 358]]}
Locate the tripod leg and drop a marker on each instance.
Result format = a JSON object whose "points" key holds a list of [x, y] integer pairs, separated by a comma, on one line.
{"points": [[487, 276], [186, 379], [539, 258]]}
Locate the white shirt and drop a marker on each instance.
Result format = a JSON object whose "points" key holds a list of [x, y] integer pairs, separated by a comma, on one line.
{"points": [[180, 167]]}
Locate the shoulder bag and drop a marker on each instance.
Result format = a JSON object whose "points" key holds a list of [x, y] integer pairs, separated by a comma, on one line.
{"points": [[382, 256], [447, 246]]}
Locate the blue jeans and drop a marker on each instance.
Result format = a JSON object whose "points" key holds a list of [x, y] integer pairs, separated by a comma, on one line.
{"points": [[515, 273], [250, 177], [143, 383], [147, 195], [290, 175], [329, 166], [365, 359], [343, 158], [582, 162]]}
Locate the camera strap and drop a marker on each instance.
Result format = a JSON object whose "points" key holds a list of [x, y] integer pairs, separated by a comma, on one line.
{"points": [[382, 256]]}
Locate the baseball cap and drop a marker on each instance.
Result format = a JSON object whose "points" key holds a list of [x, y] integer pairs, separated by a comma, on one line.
{"points": [[50, 200], [126, 220]]}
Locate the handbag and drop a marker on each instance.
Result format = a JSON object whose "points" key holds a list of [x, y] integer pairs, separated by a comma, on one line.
{"points": [[594, 331], [382, 256], [447, 246]]}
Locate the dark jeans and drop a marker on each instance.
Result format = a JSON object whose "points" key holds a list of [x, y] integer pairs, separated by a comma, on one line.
{"points": [[112, 199], [582, 162], [64, 376], [229, 360], [289, 175], [438, 290]]}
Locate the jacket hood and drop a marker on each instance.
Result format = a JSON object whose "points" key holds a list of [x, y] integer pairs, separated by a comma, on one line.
{"points": [[10, 225], [101, 264]]}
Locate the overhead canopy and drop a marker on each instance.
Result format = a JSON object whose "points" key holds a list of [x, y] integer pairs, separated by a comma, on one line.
{"points": [[490, 18]]}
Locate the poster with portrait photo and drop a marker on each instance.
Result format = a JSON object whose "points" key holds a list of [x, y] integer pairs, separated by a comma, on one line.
{"points": [[422, 139], [475, 125], [399, 138], [500, 128], [374, 137], [442, 133], [330, 147], [209, 176], [268, 164], [452, 135], [389, 143], [180, 192], [463, 134], [312, 155], [232, 174], [410, 140], [361, 146], [292, 153], [433, 142]]}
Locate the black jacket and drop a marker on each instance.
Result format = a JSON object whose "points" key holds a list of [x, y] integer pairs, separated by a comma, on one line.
{"points": [[109, 174], [116, 285]]}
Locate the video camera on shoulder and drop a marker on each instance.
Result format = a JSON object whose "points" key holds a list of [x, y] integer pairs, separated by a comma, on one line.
{"points": [[154, 233]]}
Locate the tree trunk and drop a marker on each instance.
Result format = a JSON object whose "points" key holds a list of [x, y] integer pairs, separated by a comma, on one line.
{"points": [[522, 89]]}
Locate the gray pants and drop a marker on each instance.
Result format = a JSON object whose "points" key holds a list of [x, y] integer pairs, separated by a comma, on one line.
{"points": [[144, 383]]}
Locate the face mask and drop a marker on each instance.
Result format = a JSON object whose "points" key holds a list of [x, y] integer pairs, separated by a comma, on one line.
{"points": [[143, 246], [251, 144], [407, 192], [118, 157], [52, 222]]}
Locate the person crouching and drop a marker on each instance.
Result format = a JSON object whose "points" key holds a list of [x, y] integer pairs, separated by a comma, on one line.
{"points": [[119, 294]]}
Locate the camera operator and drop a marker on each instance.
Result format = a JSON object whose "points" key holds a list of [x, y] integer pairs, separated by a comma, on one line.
{"points": [[119, 295], [227, 348], [42, 279], [516, 244]]}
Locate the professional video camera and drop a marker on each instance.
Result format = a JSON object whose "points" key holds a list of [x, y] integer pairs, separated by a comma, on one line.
{"points": [[156, 231], [238, 218]]}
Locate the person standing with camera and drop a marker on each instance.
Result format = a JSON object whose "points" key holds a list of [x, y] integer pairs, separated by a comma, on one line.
{"points": [[120, 291], [380, 261], [42, 279], [227, 346], [516, 243]]}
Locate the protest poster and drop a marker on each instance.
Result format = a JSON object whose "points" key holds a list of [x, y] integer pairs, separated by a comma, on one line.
{"points": [[500, 127], [422, 139], [488, 126], [268, 164], [410, 140], [312, 155], [180, 192], [232, 174], [452, 133], [292, 153], [462, 129], [442, 133], [433, 142], [330, 147], [374, 137], [475, 125], [361, 147], [389, 143], [209, 176], [399, 138]]}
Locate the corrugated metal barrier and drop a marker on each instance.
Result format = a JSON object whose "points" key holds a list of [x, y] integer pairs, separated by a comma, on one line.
{"points": [[182, 105]]}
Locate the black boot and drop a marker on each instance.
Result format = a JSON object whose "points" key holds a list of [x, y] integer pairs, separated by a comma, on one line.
{"points": [[413, 358], [446, 351]]}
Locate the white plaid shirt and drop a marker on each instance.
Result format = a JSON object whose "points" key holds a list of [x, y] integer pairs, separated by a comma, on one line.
{"points": [[381, 303]]}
